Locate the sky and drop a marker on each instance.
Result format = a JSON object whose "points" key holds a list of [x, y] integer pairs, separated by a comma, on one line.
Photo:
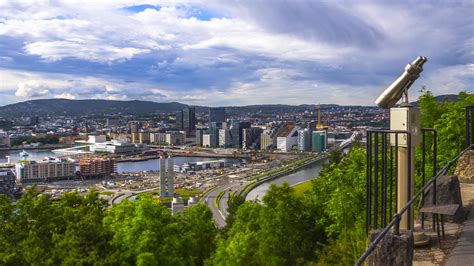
{"points": [[221, 53]]}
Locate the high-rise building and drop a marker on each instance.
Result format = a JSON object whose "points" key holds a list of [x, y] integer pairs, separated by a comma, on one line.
{"points": [[186, 120], [199, 134], [206, 140], [217, 114], [214, 133], [134, 132], [189, 121], [166, 177], [304, 140], [224, 138], [266, 141], [318, 141], [251, 138], [236, 128], [179, 120]]}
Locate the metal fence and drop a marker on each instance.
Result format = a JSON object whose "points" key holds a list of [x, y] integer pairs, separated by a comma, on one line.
{"points": [[395, 222], [382, 174]]}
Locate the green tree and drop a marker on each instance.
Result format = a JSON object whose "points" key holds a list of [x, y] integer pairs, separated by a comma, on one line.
{"points": [[279, 231], [143, 231], [82, 238], [198, 234]]}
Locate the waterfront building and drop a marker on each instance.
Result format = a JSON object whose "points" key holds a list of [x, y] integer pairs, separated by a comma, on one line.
{"points": [[7, 182], [304, 140], [206, 140], [158, 138], [175, 138], [115, 147], [251, 138], [166, 177], [4, 139], [224, 138], [318, 141], [97, 167], [47, 169], [144, 137], [96, 138], [217, 114]]}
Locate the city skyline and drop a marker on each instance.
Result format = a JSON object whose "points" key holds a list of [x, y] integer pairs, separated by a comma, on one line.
{"points": [[234, 53]]}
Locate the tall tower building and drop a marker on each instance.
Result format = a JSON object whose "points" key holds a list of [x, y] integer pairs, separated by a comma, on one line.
{"points": [[217, 114], [186, 120], [166, 177], [304, 140]]}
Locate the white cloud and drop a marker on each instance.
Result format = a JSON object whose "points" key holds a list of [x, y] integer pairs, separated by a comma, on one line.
{"points": [[32, 88], [256, 52], [191, 98], [65, 96], [54, 51]]}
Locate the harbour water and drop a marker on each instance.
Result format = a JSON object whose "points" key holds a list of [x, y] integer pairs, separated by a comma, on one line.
{"points": [[304, 174], [122, 167]]}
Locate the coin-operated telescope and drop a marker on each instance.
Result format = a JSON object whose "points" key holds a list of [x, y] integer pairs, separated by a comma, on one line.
{"points": [[399, 88], [404, 118]]}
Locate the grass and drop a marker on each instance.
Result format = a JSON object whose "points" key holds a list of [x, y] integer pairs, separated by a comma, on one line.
{"points": [[218, 198], [301, 188], [107, 192], [185, 193]]}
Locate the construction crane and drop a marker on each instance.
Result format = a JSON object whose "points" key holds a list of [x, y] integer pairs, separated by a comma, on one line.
{"points": [[320, 126]]}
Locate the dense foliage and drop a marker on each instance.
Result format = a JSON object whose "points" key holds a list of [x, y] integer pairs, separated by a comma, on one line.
{"points": [[77, 230], [47, 139], [448, 118]]}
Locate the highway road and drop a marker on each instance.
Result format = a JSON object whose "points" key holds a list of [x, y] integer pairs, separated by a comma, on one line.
{"points": [[125, 194], [220, 213], [208, 199]]}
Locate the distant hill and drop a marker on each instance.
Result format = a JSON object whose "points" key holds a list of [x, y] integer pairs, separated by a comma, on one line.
{"points": [[45, 107], [442, 98], [81, 107]]}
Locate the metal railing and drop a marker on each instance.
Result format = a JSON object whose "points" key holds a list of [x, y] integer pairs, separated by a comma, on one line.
{"points": [[382, 173], [395, 222], [469, 125]]}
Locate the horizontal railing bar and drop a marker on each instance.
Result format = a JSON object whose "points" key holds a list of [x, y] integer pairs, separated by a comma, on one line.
{"points": [[387, 131]]}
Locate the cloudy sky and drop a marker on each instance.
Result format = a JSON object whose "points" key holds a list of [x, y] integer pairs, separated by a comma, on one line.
{"points": [[231, 52]]}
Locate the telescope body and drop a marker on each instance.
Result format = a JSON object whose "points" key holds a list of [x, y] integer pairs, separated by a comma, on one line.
{"points": [[395, 91]]}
